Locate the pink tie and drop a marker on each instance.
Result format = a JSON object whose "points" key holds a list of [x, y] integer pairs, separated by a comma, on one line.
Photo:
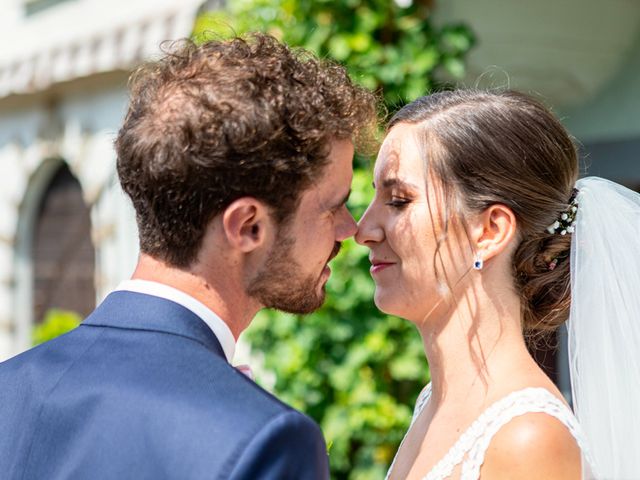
{"points": [[246, 371]]}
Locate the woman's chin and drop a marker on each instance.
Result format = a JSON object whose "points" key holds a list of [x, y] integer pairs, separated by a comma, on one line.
{"points": [[401, 306], [388, 303]]}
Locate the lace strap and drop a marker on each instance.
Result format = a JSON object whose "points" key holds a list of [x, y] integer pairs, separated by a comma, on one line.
{"points": [[422, 400], [473, 443], [530, 400]]}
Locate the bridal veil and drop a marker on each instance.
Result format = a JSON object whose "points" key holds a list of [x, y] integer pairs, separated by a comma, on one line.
{"points": [[604, 325]]}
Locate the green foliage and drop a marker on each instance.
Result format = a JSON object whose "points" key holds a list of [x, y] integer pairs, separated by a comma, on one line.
{"points": [[393, 49], [55, 323], [353, 369]]}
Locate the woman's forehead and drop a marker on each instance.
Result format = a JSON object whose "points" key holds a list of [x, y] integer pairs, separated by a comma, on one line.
{"points": [[400, 155]]}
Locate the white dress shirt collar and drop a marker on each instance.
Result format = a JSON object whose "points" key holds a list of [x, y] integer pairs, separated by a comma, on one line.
{"points": [[215, 323]]}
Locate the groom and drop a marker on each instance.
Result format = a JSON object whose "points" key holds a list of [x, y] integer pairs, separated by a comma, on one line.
{"points": [[237, 158]]}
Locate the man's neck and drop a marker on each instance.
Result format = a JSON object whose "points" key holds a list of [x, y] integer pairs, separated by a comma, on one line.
{"points": [[219, 291]]}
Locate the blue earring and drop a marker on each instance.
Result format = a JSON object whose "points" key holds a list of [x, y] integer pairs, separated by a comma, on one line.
{"points": [[478, 263]]}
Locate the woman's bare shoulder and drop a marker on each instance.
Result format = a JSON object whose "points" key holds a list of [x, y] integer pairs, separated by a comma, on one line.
{"points": [[533, 446]]}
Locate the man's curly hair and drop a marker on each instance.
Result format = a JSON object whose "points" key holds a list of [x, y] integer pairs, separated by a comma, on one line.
{"points": [[208, 124]]}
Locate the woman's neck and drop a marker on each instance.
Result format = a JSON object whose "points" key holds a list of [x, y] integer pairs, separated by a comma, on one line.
{"points": [[477, 344]]}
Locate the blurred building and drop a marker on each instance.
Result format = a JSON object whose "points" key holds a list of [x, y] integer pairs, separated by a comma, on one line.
{"points": [[67, 234], [580, 57]]}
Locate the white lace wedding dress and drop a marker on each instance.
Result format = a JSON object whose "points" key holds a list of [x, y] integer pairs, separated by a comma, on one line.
{"points": [[469, 451]]}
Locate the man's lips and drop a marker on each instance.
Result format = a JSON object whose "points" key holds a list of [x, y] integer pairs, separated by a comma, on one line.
{"points": [[336, 249]]}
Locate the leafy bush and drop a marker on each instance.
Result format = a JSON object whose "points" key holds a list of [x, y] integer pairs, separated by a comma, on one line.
{"points": [[55, 323]]}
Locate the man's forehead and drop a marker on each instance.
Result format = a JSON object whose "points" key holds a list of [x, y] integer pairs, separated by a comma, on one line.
{"points": [[331, 186], [340, 162]]}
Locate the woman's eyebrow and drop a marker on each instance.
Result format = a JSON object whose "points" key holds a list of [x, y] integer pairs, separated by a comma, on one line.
{"points": [[393, 182]]}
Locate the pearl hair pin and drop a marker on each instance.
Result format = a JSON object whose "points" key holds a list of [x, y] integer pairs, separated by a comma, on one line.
{"points": [[566, 222]]}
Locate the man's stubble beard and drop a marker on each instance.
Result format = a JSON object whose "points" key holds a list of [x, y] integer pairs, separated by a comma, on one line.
{"points": [[280, 284]]}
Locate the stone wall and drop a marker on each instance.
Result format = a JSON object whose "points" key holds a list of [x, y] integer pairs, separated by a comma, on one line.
{"points": [[76, 125]]}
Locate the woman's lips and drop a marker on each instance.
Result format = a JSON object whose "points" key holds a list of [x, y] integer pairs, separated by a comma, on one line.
{"points": [[379, 266]]}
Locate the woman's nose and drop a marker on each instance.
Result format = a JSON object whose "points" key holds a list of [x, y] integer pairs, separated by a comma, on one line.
{"points": [[369, 231]]}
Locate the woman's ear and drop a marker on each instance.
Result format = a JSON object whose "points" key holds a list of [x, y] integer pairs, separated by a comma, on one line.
{"points": [[246, 222], [493, 231]]}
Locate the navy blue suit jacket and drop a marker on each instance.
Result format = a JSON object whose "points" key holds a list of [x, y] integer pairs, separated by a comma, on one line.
{"points": [[142, 390]]}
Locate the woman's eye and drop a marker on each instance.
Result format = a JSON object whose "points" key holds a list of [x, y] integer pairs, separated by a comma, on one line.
{"points": [[398, 202]]}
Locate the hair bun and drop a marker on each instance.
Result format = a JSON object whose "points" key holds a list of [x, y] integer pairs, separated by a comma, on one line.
{"points": [[541, 269]]}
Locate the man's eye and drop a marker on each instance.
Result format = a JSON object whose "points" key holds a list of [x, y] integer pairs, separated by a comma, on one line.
{"points": [[335, 210]]}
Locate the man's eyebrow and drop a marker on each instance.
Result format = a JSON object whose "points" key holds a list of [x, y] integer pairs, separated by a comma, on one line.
{"points": [[394, 181]]}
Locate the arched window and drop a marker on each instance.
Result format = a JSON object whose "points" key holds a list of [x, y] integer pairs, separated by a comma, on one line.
{"points": [[63, 256]]}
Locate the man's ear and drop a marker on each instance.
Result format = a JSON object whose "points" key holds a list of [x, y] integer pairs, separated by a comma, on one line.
{"points": [[246, 222], [493, 231]]}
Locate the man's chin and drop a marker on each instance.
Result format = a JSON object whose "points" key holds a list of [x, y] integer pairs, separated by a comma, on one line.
{"points": [[284, 289], [299, 303]]}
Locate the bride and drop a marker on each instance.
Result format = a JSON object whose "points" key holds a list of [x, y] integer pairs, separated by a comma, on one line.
{"points": [[481, 234]]}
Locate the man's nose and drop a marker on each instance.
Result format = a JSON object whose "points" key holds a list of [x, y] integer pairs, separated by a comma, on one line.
{"points": [[347, 228]]}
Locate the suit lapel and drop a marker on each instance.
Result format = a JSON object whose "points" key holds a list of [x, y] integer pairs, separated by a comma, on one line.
{"points": [[138, 311]]}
